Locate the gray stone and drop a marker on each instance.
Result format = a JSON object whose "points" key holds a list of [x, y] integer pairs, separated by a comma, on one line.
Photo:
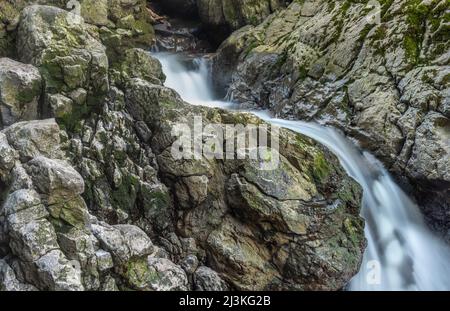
{"points": [[123, 241], [9, 281], [54, 39], [60, 105], [56, 179], [57, 273], [189, 264], [206, 279], [34, 138], [8, 156], [168, 276], [30, 241], [20, 200], [20, 90], [104, 260]]}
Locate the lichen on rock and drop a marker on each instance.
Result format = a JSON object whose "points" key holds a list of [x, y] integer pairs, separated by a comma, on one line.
{"points": [[91, 197], [376, 73]]}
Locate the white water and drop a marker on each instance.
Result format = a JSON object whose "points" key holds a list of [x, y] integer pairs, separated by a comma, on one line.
{"points": [[402, 253], [193, 83]]}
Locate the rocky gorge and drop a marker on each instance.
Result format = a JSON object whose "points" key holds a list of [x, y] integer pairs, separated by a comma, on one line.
{"points": [[92, 199], [379, 71]]}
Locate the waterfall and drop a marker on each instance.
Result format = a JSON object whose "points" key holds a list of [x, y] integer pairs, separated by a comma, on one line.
{"points": [[190, 78], [402, 253]]}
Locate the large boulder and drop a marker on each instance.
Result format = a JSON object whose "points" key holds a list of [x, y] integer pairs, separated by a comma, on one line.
{"points": [[59, 43], [234, 209], [20, 91], [431, 146], [41, 197], [55, 179], [33, 239]]}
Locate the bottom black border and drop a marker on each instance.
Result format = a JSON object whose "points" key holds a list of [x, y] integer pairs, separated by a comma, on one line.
{"points": [[278, 300]]}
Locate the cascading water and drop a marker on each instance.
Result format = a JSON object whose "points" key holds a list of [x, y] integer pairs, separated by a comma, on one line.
{"points": [[402, 254], [189, 77]]}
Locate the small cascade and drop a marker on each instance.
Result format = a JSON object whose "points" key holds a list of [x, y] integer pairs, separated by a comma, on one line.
{"points": [[402, 253]]}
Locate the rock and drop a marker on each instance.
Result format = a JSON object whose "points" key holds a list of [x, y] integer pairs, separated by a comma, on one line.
{"points": [[34, 138], [67, 55], [95, 12], [158, 208], [20, 200], [138, 63], [57, 273], [40, 190], [73, 212], [20, 179], [20, 90], [227, 16], [245, 254], [192, 191], [123, 241], [138, 242], [189, 264], [55, 179], [431, 146], [104, 260], [169, 276], [79, 96], [333, 65], [157, 274], [9, 11], [109, 285], [32, 240], [7, 156], [123, 8], [206, 279], [9, 281], [60, 105], [78, 244], [281, 204], [135, 11]]}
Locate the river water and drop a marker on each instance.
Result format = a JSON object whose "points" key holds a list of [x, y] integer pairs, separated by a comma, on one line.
{"points": [[402, 253]]}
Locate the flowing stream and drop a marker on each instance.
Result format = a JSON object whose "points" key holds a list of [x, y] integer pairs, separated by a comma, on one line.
{"points": [[402, 253]]}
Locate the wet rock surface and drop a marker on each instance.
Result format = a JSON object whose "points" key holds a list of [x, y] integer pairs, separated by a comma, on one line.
{"points": [[378, 73]]}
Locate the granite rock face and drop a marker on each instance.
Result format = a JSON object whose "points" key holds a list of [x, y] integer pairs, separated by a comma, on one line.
{"points": [[49, 238], [234, 210], [59, 44], [378, 72], [92, 198]]}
